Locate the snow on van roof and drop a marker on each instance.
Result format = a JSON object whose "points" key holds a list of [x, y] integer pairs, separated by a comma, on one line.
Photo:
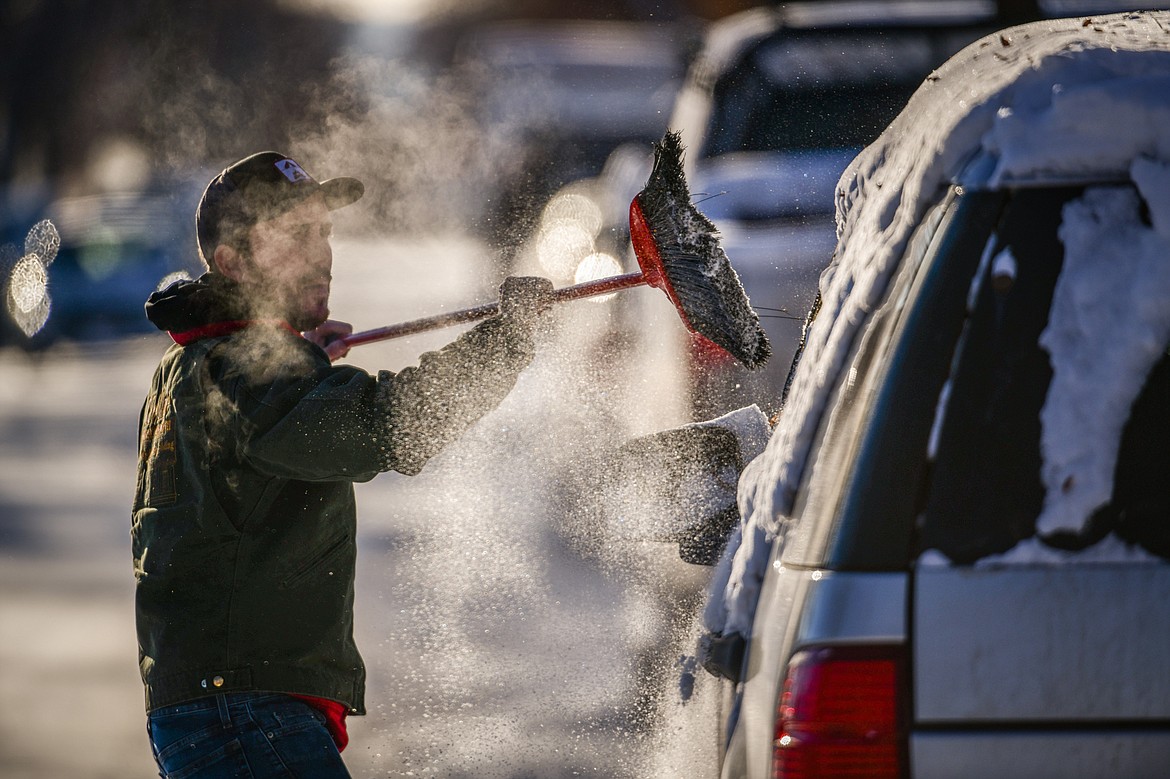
{"points": [[1078, 98]]}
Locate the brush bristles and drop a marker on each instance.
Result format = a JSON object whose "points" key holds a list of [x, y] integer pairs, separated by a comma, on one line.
{"points": [[705, 286]]}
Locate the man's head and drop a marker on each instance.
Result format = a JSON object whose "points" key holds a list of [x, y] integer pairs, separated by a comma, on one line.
{"points": [[264, 222]]}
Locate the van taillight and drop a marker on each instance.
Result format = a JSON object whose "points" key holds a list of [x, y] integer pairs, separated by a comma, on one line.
{"points": [[842, 714]]}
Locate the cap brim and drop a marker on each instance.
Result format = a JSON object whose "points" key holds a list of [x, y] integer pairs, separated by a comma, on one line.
{"points": [[341, 191]]}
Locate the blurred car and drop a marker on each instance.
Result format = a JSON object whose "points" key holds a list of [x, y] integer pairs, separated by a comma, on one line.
{"points": [[115, 249], [770, 113], [955, 554], [773, 111], [557, 95]]}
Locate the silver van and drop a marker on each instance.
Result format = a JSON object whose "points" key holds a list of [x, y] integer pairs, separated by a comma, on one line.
{"points": [[953, 554]]}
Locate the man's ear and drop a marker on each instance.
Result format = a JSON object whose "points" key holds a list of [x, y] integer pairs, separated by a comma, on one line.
{"points": [[229, 262]]}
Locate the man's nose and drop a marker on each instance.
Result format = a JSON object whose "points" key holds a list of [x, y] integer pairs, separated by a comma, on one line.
{"points": [[323, 256]]}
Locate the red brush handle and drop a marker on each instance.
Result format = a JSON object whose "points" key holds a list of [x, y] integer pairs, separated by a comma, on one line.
{"points": [[582, 290], [587, 289]]}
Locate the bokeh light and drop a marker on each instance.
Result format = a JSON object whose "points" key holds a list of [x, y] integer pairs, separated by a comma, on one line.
{"points": [[27, 286], [569, 226], [573, 207], [44, 241], [598, 265], [560, 248], [28, 295]]}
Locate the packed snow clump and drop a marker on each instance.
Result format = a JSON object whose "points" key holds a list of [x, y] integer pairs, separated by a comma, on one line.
{"points": [[1108, 326]]}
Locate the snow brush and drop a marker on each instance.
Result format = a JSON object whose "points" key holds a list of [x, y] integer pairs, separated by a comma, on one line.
{"points": [[678, 252]]}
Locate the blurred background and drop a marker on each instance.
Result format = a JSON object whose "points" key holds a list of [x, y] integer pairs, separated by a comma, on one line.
{"points": [[500, 640], [506, 635], [459, 116]]}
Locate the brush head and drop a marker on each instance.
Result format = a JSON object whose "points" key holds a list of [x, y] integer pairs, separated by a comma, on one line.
{"points": [[678, 250]]}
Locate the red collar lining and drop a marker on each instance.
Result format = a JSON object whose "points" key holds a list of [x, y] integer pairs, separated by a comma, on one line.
{"points": [[216, 329]]}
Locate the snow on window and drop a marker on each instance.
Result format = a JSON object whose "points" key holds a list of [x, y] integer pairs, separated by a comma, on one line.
{"points": [[1153, 179], [1003, 270], [1107, 121], [1033, 551], [1108, 326]]}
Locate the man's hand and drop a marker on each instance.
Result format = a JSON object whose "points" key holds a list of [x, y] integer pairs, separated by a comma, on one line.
{"points": [[524, 298], [328, 336]]}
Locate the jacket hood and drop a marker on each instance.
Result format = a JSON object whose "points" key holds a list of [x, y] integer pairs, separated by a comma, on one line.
{"points": [[189, 304]]}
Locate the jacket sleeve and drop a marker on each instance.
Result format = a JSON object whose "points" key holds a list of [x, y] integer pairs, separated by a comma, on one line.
{"points": [[340, 423], [429, 406]]}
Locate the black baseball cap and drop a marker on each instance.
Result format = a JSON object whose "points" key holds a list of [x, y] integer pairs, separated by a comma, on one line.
{"points": [[259, 187]]}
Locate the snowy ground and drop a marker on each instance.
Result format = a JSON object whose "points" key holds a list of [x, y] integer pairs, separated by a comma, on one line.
{"points": [[503, 638]]}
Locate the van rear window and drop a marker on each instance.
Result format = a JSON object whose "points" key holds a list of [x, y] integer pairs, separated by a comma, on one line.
{"points": [[1001, 481]]}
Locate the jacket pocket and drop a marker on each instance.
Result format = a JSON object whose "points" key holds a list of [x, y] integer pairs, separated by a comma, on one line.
{"points": [[329, 552]]}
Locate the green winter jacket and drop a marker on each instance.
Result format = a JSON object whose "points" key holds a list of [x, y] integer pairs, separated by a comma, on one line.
{"points": [[244, 524]]}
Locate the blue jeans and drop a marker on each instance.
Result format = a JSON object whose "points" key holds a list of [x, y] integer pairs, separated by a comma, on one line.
{"points": [[243, 736]]}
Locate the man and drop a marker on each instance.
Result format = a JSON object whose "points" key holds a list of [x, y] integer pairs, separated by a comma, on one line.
{"points": [[250, 440]]}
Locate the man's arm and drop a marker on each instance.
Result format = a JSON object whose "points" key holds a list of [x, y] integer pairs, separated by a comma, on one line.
{"points": [[433, 404], [338, 422]]}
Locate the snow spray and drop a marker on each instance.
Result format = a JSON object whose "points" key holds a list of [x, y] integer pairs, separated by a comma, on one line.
{"points": [[504, 634]]}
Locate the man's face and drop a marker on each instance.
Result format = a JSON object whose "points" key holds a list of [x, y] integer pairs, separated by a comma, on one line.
{"points": [[291, 263]]}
